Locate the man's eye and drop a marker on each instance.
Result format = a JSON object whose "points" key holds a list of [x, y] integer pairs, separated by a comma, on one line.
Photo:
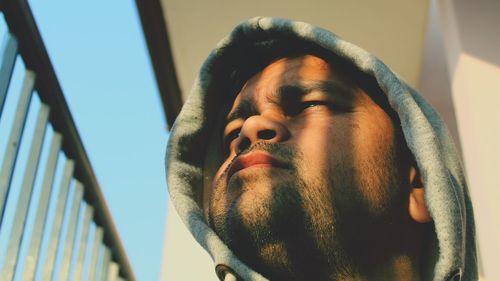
{"points": [[308, 104], [297, 107], [311, 104]]}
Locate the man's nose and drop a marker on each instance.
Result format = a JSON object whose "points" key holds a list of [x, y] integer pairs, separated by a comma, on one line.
{"points": [[259, 128]]}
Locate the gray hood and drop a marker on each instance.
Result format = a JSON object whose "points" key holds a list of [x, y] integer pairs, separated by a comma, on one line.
{"points": [[428, 139]]}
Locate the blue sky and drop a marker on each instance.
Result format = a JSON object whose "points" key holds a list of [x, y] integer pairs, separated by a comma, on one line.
{"points": [[101, 59]]}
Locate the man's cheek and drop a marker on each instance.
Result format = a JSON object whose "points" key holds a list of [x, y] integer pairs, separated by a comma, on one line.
{"points": [[217, 211]]}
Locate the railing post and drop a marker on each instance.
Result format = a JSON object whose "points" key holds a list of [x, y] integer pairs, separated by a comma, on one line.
{"points": [[8, 59], [95, 253], [41, 215], [15, 139], [70, 235], [50, 258], [78, 274], [23, 203]]}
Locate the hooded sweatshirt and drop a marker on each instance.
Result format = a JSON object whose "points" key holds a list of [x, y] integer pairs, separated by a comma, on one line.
{"points": [[249, 47]]}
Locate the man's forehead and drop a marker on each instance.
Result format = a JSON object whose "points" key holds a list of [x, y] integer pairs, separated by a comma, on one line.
{"points": [[286, 71], [289, 69]]}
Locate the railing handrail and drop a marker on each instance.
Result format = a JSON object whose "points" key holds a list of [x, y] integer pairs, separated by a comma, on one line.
{"points": [[22, 24]]}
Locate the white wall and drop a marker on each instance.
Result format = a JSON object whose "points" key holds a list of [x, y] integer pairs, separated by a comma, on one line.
{"points": [[184, 258], [472, 44]]}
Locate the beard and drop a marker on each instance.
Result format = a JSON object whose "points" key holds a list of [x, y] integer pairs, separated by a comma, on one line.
{"points": [[292, 223]]}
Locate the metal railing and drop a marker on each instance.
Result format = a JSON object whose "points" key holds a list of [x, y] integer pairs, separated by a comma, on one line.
{"points": [[79, 205]]}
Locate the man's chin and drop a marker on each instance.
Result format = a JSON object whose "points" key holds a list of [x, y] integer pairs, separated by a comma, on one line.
{"points": [[260, 202], [265, 224], [255, 198]]}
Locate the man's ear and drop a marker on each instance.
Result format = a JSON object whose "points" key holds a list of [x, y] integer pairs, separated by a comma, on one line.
{"points": [[416, 207]]}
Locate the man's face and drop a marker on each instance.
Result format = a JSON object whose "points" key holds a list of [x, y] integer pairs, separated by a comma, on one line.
{"points": [[312, 168]]}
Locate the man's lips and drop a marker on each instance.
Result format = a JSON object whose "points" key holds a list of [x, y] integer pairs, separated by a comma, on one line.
{"points": [[257, 158]]}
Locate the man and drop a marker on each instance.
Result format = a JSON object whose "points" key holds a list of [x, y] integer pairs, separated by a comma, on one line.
{"points": [[299, 156]]}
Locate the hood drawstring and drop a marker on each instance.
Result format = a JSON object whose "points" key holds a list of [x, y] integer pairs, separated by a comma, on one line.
{"points": [[225, 273], [230, 277]]}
